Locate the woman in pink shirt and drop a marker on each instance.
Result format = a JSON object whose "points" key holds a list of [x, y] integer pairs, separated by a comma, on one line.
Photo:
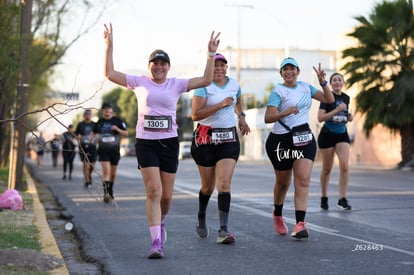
{"points": [[156, 131]]}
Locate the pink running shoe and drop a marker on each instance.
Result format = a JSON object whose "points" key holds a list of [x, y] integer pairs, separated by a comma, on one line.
{"points": [[280, 225], [155, 250], [300, 231]]}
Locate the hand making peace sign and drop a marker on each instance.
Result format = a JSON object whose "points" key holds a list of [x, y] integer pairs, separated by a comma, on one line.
{"points": [[108, 34], [320, 73], [214, 42]]}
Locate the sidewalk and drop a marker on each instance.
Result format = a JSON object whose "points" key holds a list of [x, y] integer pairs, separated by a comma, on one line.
{"points": [[46, 238]]}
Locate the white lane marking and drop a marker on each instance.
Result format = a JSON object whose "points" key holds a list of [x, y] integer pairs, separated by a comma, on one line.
{"points": [[186, 189]]}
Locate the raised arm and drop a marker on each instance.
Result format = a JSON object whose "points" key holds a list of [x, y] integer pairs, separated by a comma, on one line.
{"points": [[326, 95], [109, 71], [207, 78]]}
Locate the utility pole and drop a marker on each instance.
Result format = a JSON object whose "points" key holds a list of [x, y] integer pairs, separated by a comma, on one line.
{"points": [[238, 45], [238, 64], [18, 145]]}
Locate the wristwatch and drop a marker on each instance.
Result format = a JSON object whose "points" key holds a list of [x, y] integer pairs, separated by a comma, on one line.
{"points": [[241, 114]]}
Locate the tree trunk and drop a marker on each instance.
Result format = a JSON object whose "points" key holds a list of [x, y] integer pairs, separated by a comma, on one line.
{"points": [[5, 144], [18, 146], [5, 106], [407, 145]]}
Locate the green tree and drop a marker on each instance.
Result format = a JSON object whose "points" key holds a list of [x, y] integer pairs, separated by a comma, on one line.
{"points": [[129, 110], [124, 105], [49, 44], [382, 66], [112, 97]]}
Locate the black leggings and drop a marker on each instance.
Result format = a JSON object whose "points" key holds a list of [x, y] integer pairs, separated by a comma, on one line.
{"points": [[68, 157]]}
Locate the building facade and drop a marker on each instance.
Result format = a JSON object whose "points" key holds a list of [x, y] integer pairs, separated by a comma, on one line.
{"points": [[258, 69]]}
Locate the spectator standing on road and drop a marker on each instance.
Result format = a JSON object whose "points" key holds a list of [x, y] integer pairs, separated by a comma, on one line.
{"points": [[110, 130], [40, 149], [156, 131], [215, 146], [68, 151], [87, 148], [290, 146], [55, 146], [334, 139]]}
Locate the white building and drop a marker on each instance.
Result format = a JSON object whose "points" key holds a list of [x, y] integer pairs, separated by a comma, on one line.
{"points": [[258, 68]]}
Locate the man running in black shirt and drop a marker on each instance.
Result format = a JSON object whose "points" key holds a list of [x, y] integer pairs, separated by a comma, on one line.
{"points": [[87, 148], [68, 151], [110, 130]]}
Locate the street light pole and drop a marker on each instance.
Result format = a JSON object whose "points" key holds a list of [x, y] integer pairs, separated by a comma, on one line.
{"points": [[238, 64], [283, 25]]}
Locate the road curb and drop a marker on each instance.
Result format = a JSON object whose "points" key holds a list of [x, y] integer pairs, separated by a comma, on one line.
{"points": [[46, 237]]}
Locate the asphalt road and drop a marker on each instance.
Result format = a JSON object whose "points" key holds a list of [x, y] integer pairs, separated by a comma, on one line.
{"points": [[376, 237]]}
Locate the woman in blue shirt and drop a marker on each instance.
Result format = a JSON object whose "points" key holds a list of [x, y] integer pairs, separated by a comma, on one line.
{"points": [[291, 146]]}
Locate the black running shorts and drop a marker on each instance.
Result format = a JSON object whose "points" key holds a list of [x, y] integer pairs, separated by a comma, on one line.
{"points": [[282, 153], [162, 153], [113, 156], [327, 139], [88, 151], [208, 155]]}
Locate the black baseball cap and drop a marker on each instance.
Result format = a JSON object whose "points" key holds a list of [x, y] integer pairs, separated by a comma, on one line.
{"points": [[106, 105], [159, 54]]}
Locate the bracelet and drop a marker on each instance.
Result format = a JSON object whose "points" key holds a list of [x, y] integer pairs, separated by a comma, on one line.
{"points": [[242, 114], [212, 54], [324, 83]]}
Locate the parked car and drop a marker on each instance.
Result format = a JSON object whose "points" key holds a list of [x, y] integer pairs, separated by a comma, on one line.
{"points": [[185, 150], [127, 150]]}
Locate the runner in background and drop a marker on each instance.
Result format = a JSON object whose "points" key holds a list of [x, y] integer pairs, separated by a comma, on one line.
{"points": [[334, 139], [87, 147], [68, 151], [40, 149], [110, 129], [55, 146]]}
